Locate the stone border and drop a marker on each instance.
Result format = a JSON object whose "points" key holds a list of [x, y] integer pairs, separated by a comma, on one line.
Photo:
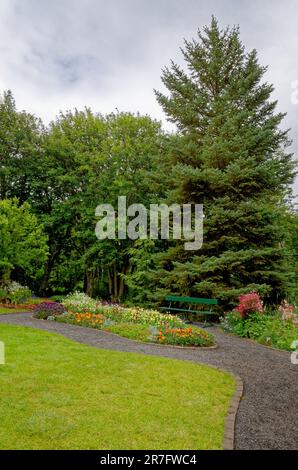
{"points": [[196, 348], [230, 421]]}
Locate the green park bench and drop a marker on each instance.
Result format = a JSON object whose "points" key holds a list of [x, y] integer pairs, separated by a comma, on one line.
{"points": [[191, 301]]}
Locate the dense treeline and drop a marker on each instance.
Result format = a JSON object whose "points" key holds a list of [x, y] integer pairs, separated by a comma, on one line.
{"points": [[229, 153]]}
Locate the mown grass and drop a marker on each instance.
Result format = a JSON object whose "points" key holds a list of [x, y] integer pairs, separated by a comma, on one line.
{"points": [[131, 331], [58, 394], [5, 310]]}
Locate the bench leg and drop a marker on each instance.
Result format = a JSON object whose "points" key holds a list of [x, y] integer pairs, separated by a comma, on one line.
{"points": [[205, 324]]}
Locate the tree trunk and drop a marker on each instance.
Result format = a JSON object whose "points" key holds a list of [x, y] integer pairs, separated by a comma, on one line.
{"points": [[44, 285], [110, 283], [89, 280]]}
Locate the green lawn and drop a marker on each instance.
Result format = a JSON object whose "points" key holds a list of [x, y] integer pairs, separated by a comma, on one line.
{"points": [[133, 331], [58, 394], [4, 310]]}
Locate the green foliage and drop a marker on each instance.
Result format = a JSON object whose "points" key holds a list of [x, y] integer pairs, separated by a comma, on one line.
{"points": [[89, 160], [14, 293], [290, 243], [21, 137], [57, 298], [270, 330], [23, 245]]}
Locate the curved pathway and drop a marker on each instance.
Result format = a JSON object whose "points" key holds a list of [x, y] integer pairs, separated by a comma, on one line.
{"points": [[267, 415]]}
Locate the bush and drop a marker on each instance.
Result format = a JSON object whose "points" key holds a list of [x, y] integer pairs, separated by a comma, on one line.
{"points": [[48, 309], [270, 330], [249, 303], [14, 293], [233, 323], [57, 298], [79, 301], [3, 294], [144, 316]]}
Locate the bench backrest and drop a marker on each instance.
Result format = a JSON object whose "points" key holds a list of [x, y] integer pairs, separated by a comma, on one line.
{"points": [[191, 300]]}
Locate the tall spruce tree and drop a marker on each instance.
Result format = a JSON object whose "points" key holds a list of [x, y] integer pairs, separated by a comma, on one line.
{"points": [[231, 157]]}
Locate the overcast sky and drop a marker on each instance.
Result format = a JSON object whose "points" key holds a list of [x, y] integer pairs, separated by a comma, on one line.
{"points": [[60, 54]]}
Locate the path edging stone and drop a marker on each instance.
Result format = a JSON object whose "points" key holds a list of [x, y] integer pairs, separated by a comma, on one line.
{"points": [[230, 421]]}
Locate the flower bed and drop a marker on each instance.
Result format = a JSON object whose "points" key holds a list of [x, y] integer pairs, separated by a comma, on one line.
{"points": [[23, 307], [30, 304], [81, 303], [276, 329], [134, 323], [87, 319], [182, 336], [189, 336], [45, 310]]}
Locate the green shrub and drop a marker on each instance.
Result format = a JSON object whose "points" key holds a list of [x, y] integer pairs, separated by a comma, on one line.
{"points": [[58, 298], [270, 330], [3, 294], [18, 294], [79, 301], [143, 316], [14, 293]]}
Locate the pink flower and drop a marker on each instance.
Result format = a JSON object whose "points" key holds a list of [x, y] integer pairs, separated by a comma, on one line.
{"points": [[249, 303]]}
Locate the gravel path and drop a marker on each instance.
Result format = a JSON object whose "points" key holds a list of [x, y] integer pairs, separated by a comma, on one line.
{"points": [[268, 413]]}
